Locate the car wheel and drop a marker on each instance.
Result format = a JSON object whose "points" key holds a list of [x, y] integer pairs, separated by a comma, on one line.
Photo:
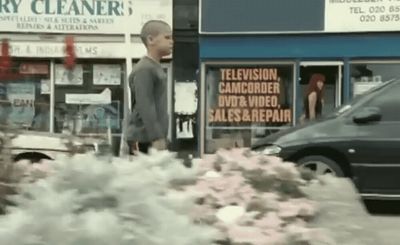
{"points": [[321, 165], [33, 157]]}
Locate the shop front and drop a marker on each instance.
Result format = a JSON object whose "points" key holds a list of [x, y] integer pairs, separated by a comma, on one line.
{"points": [[256, 62], [43, 95]]}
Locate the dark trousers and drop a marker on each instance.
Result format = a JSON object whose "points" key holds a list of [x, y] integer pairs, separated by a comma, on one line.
{"points": [[142, 147]]}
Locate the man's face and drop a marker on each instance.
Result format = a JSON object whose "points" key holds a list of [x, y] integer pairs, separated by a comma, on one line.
{"points": [[163, 42]]}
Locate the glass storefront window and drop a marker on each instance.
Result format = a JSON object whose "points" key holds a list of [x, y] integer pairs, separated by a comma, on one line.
{"points": [[83, 96], [25, 96], [366, 75], [246, 102]]}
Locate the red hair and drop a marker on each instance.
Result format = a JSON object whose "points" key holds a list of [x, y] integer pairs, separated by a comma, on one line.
{"points": [[312, 85]]}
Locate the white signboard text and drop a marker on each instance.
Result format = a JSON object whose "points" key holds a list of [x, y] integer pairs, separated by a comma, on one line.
{"points": [[81, 16]]}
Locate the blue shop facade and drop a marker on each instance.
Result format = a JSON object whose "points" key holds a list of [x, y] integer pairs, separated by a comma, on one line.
{"points": [[256, 59]]}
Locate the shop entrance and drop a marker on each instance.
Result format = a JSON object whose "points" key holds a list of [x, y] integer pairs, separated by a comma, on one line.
{"points": [[332, 92]]}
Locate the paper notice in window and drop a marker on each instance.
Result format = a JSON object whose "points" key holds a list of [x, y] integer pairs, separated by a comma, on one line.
{"points": [[185, 98], [22, 98], [68, 77], [106, 74], [89, 99], [45, 86]]}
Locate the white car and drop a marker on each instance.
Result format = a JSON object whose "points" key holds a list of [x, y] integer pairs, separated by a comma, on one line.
{"points": [[35, 146]]}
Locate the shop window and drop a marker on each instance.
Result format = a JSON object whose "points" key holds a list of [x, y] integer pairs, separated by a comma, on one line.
{"points": [[245, 103], [25, 96], [89, 99], [365, 76]]}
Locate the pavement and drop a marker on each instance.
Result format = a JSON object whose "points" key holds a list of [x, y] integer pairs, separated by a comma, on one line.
{"points": [[386, 214], [350, 221], [389, 229]]}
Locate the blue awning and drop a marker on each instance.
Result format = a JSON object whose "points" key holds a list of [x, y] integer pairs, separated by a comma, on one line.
{"points": [[327, 46]]}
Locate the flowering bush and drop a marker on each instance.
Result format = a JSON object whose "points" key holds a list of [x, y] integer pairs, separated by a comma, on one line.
{"points": [[86, 200], [254, 199], [234, 197]]}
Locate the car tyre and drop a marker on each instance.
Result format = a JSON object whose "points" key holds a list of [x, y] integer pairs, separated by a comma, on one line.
{"points": [[321, 165]]}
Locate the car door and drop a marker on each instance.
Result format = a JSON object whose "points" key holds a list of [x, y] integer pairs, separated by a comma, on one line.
{"points": [[375, 155]]}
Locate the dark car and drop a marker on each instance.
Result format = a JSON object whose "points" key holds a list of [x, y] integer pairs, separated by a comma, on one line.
{"points": [[360, 140]]}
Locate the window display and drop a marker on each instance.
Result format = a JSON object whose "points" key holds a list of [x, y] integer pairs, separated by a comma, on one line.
{"points": [[24, 102], [246, 102], [92, 100], [366, 75]]}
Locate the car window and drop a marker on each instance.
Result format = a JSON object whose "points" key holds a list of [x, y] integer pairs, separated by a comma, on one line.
{"points": [[358, 100], [388, 102]]}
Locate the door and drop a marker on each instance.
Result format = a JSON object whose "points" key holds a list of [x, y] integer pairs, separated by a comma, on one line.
{"points": [[332, 94], [375, 156]]}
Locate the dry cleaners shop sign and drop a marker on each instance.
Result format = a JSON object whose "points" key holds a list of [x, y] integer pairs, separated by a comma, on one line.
{"points": [[81, 16]]}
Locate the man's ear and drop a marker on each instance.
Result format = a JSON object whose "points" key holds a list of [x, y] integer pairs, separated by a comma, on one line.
{"points": [[150, 39]]}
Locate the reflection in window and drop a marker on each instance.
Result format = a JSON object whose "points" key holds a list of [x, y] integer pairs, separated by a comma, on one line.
{"points": [[370, 75], [25, 97], [246, 103], [41, 120]]}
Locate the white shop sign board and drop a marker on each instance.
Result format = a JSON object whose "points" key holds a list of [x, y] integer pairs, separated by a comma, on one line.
{"points": [[81, 16], [362, 15]]}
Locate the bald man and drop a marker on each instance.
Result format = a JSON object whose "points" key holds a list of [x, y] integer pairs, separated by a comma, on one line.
{"points": [[148, 122]]}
